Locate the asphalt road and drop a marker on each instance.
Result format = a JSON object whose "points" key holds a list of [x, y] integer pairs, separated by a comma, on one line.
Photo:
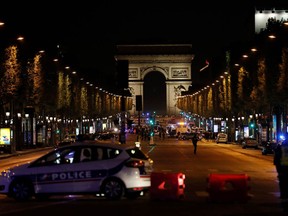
{"points": [[172, 156]]}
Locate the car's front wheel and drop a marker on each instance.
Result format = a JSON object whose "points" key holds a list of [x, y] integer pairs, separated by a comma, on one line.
{"points": [[21, 190], [113, 189]]}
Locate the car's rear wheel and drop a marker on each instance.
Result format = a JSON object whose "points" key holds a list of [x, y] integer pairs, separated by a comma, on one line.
{"points": [[113, 189], [21, 190]]}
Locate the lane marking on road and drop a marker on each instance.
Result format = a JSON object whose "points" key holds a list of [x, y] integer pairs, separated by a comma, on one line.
{"points": [[151, 149]]}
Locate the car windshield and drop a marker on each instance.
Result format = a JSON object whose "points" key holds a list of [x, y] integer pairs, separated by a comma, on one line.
{"points": [[56, 157]]}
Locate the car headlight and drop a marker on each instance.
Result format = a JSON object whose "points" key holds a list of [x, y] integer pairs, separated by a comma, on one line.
{"points": [[6, 173]]}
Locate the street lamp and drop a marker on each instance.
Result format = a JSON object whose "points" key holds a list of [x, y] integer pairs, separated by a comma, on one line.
{"points": [[10, 136], [233, 129], [7, 118], [26, 129], [18, 141]]}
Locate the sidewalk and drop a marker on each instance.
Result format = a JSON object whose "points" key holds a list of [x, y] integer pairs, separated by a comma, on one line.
{"points": [[25, 151], [131, 139]]}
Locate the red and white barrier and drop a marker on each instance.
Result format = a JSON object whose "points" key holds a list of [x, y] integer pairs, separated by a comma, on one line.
{"points": [[228, 187], [167, 186]]}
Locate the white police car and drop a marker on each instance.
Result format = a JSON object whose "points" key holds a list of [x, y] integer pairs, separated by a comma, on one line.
{"points": [[113, 170]]}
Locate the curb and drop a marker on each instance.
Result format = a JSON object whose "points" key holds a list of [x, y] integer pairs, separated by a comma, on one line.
{"points": [[18, 153]]}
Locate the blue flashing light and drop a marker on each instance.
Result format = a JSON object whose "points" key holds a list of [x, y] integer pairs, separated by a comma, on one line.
{"points": [[282, 137]]}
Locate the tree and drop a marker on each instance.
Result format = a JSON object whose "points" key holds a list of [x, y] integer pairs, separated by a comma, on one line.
{"points": [[83, 101], [35, 81], [210, 102], [10, 81], [258, 93], [240, 92], [282, 84], [64, 93]]}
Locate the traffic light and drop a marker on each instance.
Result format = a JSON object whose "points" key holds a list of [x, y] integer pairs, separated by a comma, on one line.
{"points": [[152, 120], [251, 125]]}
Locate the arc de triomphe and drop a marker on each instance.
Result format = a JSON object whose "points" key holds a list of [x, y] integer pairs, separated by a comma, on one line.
{"points": [[173, 61]]}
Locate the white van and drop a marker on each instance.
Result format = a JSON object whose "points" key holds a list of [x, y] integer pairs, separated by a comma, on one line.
{"points": [[222, 138], [182, 127]]}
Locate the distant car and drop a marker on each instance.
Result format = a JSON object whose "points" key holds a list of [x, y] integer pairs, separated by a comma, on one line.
{"points": [[171, 133], [250, 143], [68, 139], [111, 170], [105, 136], [186, 136], [222, 138], [72, 137], [268, 147], [64, 142]]}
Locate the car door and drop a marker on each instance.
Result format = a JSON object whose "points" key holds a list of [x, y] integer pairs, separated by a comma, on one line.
{"points": [[90, 170], [70, 171], [55, 172]]}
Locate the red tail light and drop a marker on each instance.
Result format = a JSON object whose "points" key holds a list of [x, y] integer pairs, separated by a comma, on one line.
{"points": [[135, 163]]}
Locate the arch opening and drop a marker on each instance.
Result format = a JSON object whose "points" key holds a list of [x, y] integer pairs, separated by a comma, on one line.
{"points": [[155, 93]]}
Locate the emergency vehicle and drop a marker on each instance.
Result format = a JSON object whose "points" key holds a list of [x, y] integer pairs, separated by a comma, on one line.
{"points": [[109, 170]]}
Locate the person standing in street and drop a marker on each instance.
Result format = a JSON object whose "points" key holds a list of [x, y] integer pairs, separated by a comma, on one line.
{"points": [[281, 164], [194, 142]]}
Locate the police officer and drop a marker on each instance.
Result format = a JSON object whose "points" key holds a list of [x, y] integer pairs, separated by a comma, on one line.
{"points": [[194, 142], [281, 164]]}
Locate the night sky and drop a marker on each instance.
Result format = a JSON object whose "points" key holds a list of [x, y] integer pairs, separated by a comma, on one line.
{"points": [[88, 31]]}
